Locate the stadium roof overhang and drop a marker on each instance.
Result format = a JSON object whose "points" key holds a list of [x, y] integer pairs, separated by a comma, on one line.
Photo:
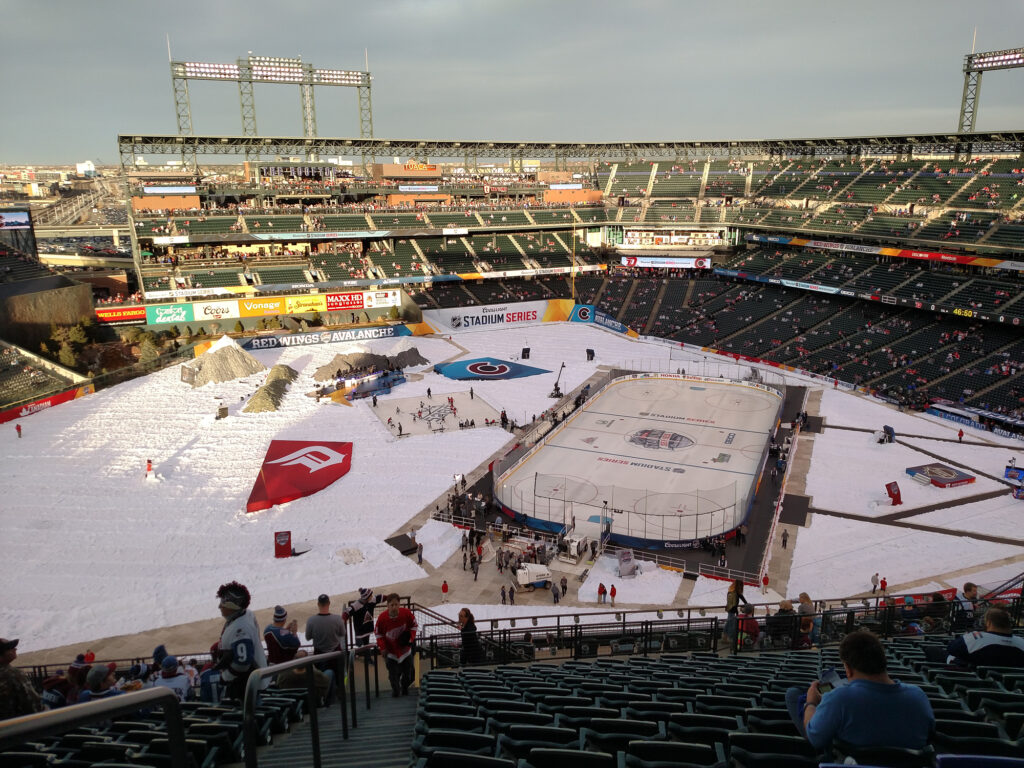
{"points": [[132, 146]]}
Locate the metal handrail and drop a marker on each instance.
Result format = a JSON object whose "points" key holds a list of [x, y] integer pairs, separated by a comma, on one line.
{"points": [[16, 731], [252, 690]]}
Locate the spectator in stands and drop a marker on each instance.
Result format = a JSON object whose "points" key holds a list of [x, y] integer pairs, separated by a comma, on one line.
{"points": [[17, 696], [748, 629], [472, 653], [995, 646], [100, 683], [360, 612], [326, 630], [173, 676], [239, 650], [870, 710], [732, 603], [282, 640], [396, 633], [322, 679], [964, 610]]}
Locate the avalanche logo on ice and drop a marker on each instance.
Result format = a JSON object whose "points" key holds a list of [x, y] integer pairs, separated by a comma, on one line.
{"points": [[296, 468], [486, 368]]}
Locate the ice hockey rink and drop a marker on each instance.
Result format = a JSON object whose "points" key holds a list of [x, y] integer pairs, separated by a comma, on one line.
{"points": [[663, 458]]}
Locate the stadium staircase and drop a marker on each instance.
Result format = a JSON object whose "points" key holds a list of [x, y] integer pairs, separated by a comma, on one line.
{"points": [[611, 179], [703, 182], [626, 301], [656, 304], [649, 188], [380, 740]]}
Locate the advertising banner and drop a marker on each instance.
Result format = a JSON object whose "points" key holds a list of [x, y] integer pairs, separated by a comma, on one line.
{"points": [[454, 231], [311, 303], [183, 190], [121, 315], [377, 299], [215, 310], [296, 468], [47, 402], [647, 262], [417, 187], [903, 253], [169, 313], [344, 301], [490, 316], [260, 307], [565, 186], [325, 337]]}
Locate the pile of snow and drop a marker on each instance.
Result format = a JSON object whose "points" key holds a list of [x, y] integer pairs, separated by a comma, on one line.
{"points": [[224, 361], [269, 396], [369, 360]]}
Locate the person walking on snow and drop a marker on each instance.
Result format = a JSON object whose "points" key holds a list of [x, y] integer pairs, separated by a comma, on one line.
{"points": [[785, 539], [883, 585], [874, 583], [444, 591], [17, 428], [511, 595], [564, 585], [149, 466], [960, 436], [419, 553], [503, 594], [555, 593], [611, 594]]}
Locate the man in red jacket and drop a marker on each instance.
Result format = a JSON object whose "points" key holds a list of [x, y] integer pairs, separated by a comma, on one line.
{"points": [[396, 633]]}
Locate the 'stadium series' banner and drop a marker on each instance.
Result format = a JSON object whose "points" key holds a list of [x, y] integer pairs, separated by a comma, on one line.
{"points": [[499, 315]]}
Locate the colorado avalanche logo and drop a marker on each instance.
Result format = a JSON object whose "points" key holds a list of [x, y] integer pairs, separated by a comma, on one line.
{"points": [[583, 313], [486, 368], [489, 369]]}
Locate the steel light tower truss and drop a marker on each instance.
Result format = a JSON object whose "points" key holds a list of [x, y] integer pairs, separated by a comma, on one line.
{"points": [[268, 69], [131, 146], [975, 65]]}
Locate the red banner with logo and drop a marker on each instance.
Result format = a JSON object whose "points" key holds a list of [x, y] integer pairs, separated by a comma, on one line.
{"points": [[339, 301], [48, 402], [296, 468], [121, 315]]}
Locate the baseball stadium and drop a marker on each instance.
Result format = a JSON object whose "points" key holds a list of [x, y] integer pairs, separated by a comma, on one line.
{"points": [[360, 451]]}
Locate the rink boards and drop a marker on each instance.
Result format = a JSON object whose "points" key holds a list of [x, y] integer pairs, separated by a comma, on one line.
{"points": [[675, 457]]}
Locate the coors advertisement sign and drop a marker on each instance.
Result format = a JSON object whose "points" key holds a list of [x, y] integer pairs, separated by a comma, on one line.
{"points": [[296, 468]]}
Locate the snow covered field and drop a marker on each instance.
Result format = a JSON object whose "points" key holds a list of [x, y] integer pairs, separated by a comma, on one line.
{"points": [[92, 549]]}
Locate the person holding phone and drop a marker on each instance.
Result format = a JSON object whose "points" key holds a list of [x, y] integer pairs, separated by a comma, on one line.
{"points": [[870, 710]]}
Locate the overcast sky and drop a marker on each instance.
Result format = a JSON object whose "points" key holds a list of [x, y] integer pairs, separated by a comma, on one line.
{"points": [[79, 72]]}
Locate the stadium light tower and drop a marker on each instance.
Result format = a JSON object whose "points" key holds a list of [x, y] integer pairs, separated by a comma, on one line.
{"points": [[975, 65], [270, 69]]}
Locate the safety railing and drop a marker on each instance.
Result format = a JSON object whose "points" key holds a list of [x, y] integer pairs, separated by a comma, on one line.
{"points": [[343, 664], [19, 730]]}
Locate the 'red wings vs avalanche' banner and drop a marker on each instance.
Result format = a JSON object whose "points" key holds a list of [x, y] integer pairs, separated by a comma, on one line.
{"points": [[296, 468]]}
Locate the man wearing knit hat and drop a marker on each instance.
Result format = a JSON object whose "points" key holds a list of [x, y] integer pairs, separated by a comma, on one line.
{"points": [[240, 650], [17, 696], [282, 641], [360, 612], [173, 676]]}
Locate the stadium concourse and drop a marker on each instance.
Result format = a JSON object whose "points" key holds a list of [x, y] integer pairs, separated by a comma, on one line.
{"points": [[173, 537]]}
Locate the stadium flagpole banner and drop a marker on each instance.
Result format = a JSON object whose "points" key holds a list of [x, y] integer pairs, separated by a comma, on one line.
{"points": [[296, 468]]}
